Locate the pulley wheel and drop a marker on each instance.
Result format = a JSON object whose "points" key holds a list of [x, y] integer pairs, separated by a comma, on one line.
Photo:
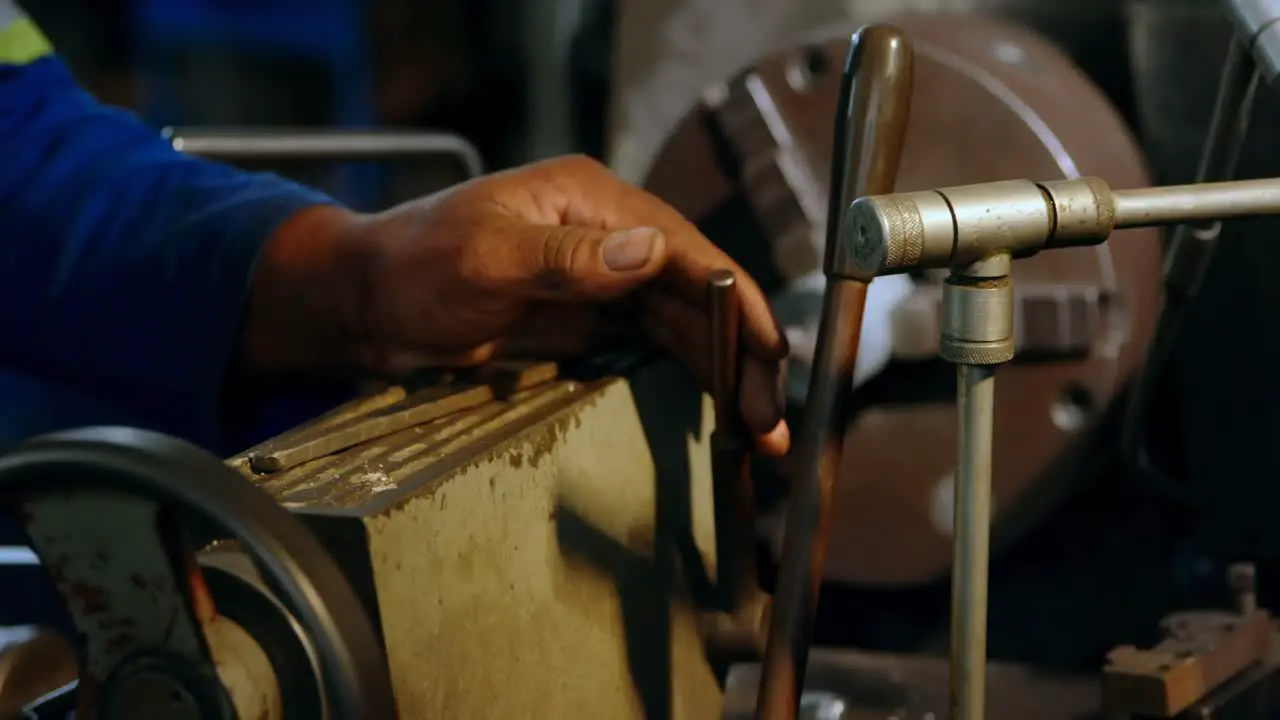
{"points": [[114, 514]]}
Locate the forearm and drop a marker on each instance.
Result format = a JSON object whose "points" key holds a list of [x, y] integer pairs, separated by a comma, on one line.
{"points": [[125, 266]]}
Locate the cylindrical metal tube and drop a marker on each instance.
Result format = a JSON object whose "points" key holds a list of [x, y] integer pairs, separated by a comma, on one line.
{"points": [[724, 315], [875, 97], [736, 578], [1017, 210], [1243, 580], [233, 145], [977, 319], [1193, 203], [975, 398], [961, 225], [957, 226]]}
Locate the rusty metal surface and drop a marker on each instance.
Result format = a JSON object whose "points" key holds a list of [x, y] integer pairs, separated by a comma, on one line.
{"points": [[388, 412], [387, 469], [1210, 663], [108, 510], [993, 101], [1202, 651], [534, 539], [123, 589], [884, 686]]}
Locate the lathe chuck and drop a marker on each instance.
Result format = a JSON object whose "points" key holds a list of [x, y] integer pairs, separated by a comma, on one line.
{"points": [[992, 101]]}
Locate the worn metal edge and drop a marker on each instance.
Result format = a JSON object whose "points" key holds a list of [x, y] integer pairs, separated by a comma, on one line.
{"points": [[486, 446]]}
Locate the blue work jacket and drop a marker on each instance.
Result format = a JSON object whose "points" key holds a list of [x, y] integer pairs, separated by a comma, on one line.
{"points": [[124, 265]]}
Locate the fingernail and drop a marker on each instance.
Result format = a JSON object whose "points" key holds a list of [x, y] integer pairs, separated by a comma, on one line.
{"points": [[627, 250], [777, 441], [782, 435]]}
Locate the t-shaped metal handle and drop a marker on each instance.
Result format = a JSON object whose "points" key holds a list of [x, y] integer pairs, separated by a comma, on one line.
{"points": [[958, 226]]}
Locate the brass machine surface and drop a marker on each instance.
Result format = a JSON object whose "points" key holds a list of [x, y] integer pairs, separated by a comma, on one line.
{"points": [[991, 101], [526, 556]]}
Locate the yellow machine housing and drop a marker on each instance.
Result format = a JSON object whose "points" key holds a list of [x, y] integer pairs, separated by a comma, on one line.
{"points": [[533, 556]]}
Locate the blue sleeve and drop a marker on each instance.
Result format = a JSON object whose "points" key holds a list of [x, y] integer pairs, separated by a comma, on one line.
{"points": [[124, 265]]}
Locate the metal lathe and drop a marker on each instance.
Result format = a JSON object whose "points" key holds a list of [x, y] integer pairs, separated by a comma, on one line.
{"points": [[588, 539]]}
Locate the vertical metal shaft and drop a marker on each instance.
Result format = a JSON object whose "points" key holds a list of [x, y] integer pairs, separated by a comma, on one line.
{"points": [[734, 505], [1191, 249], [976, 400], [1243, 580], [875, 96], [977, 336]]}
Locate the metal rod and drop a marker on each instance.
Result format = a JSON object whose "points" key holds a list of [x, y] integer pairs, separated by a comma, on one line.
{"points": [[975, 398], [875, 97], [1193, 203], [1191, 251], [1242, 577], [725, 320], [731, 479], [231, 145]]}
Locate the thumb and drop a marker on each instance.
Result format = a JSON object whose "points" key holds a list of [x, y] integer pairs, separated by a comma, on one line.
{"points": [[577, 263]]}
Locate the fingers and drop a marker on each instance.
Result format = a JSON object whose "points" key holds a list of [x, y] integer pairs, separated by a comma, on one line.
{"points": [[591, 196], [682, 328], [776, 442], [567, 263], [761, 397], [580, 233]]}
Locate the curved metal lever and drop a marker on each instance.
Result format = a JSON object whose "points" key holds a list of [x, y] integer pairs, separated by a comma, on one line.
{"points": [[875, 99]]}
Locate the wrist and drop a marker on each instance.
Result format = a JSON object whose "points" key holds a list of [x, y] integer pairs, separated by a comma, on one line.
{"points": [[304, 301]]}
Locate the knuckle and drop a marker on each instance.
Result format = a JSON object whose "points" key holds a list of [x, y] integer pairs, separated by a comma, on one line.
{"points": [[558, 261], [561, 251], [584, 164]]}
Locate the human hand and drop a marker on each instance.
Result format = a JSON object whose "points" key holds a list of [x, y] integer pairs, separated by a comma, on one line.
{"points": [[543, 260]]}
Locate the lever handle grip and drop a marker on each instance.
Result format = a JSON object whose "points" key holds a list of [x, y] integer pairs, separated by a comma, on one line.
{"points": [[871, 123]]}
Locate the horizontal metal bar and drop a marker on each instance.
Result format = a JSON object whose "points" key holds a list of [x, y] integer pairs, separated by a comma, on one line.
{"points": [[1192, 203], [326, 144]]}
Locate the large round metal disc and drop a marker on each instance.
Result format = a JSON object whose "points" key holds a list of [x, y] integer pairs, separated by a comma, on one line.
{"points": [[992, 101]]}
